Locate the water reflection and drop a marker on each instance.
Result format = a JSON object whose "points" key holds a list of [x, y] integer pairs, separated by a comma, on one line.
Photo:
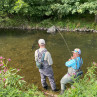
{"points": [[20, 46]]}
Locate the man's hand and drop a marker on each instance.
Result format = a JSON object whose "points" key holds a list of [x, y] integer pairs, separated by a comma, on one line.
{"points": [[71, 58]]}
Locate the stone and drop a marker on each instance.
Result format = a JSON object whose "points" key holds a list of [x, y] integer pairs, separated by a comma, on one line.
{"points": [[51, 29]]}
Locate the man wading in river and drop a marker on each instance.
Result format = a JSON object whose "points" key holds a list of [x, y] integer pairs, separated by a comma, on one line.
{"points": [[73, 64], [43, 62]]}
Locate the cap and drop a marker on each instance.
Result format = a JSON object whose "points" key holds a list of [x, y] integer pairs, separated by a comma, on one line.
{"points": [[41, 41], [77, 50]]}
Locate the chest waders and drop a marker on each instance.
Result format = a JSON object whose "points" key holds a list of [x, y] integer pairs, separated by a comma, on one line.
{"points": [[40, 60], [45, 70]]}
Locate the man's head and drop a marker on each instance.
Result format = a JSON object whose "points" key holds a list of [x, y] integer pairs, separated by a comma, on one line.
{"points": [[76, 52], [41, 42]]}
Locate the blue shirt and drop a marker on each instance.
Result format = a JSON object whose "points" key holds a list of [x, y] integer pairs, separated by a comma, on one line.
{"points": [[75, 63]]}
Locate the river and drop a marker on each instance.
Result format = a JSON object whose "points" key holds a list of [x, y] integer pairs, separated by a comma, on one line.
{"points": [[20, 45]]}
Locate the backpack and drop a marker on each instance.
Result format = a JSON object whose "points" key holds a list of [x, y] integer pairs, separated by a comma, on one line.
{"points": [[40, 60]]}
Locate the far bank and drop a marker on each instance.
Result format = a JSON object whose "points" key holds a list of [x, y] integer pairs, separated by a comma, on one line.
{"points": [[74, 23]]}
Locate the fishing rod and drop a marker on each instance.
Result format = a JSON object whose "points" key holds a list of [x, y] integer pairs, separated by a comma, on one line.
{"points": [[64, 41]]}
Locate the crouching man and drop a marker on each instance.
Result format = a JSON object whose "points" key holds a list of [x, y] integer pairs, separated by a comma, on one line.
{"points": [[74, 64]]}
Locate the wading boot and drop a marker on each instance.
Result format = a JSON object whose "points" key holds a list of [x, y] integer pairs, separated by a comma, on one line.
{"points": [[46, 87], [62, 92]]}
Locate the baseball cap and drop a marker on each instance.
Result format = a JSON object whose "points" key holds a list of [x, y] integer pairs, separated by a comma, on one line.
{"points": [[41, 41], [77, 50]]}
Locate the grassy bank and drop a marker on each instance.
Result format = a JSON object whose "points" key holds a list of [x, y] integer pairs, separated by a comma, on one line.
{"points": [[69, 22]]}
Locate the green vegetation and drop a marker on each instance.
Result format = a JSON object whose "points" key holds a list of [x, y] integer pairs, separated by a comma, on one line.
{"points": [[40, 13], [86, 87], [41, 8], [12, 84], [75, 21]]}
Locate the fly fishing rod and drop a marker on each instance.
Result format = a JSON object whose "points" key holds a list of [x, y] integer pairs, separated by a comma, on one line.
{"points": [[64, 41]]}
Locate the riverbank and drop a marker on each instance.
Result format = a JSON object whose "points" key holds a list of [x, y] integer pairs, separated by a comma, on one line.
{"points": [[68, 24]]}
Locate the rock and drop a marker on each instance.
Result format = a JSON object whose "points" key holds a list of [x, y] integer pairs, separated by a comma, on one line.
{"points": [[62, 29], [45, 28], [91, 30], [94, 31], [51, 29]]}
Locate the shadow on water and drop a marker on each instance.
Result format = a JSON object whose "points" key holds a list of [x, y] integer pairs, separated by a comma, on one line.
{"points": [[16, 32], [20, 45]]}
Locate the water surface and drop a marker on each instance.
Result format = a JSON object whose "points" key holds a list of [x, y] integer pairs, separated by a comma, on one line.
{"points": [[20, 45]]}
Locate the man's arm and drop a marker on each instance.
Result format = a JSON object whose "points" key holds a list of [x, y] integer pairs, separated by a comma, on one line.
{"points": [[70, 63], [48, 58]]}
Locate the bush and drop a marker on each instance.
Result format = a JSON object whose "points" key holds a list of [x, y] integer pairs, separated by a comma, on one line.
{"points": [[49, 8], [12, 84]]}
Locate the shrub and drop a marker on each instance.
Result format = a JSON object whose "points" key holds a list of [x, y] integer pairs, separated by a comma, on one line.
{"points": [[12, 84]]}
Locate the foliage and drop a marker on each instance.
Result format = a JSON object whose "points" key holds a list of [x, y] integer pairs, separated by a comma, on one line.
{"points": [[6, 5], [12, 84], [41, 8], [74, 6], [8, 76], [86, 87], [88, 6], [20, 7]]}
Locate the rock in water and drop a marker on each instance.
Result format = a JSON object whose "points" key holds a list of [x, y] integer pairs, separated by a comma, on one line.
{"points": [[51, 30]]}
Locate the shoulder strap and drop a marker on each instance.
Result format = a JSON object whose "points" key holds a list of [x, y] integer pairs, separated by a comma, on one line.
{"points": [[38, 51], [80, 62], [76, 62], [42, 53], [42, 59]]}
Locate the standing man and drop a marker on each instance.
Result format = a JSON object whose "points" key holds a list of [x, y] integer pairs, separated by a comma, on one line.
{"points": [[44, 63], [74, 64]]}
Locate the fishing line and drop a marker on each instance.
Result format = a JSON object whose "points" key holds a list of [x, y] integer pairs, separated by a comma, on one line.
{"points": [[64, 41]]}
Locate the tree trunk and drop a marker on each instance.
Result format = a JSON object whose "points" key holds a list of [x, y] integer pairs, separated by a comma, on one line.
{"points": [[96, 18]]}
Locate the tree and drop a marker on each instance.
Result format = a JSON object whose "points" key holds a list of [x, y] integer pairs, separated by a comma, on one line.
{"points": [[41, 8], [74, 6]]}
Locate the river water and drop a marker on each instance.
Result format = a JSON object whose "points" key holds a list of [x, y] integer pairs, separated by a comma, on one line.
{"points": [[20, 45]]}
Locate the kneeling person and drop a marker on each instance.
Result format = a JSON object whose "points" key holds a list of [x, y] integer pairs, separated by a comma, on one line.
{"points": [[74, 64]]}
